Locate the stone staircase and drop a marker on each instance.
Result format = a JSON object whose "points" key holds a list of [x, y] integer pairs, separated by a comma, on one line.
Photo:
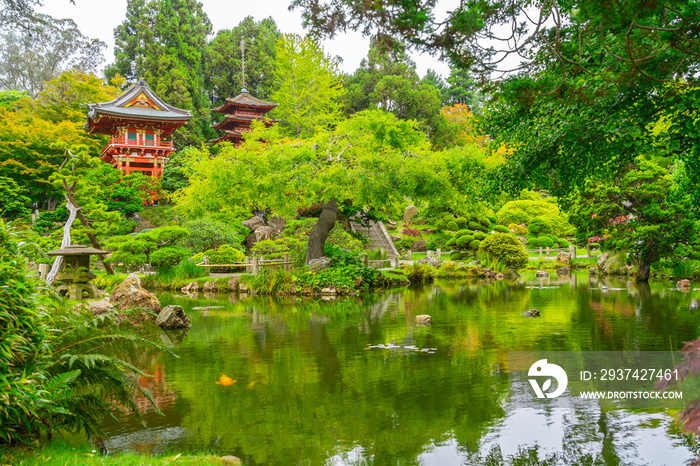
{"points": [[379, 237]]}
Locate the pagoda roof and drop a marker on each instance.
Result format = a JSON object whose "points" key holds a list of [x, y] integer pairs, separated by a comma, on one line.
{"points": [[137, 103], [244, 99]]}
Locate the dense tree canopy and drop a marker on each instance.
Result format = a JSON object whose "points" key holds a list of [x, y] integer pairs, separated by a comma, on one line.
{"points": [[309, 88], [163, 42], [223, 66]]}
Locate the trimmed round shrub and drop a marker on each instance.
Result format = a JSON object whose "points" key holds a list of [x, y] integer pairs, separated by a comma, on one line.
{"points": [[479, 235], [475, 226], [540, 242], [168, 256], [461, 221], [539, 226], [452, 242], [501, 229], [452, 226], [474, 244], [462, 242], [563, 243], [458, 256], [463, 233], [492, 219], [506, 248], [225, 254], [517, 229], [484, 222]]}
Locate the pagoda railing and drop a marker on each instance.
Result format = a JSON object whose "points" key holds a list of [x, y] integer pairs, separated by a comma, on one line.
{"points": [[122, 141], [247, 114]]}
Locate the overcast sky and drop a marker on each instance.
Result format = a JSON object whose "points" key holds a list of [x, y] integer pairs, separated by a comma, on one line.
{"points": [[98, 18]]}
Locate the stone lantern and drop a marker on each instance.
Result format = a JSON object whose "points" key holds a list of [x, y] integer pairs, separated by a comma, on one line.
{"points": [[75, 275]]}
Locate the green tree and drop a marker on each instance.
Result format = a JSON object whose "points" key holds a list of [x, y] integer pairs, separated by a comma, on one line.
{"points": [[370, 160], [642, 213], [31, 57], [223, 67], [13, 202], [35, 133], [308, 86], [163, 42]]}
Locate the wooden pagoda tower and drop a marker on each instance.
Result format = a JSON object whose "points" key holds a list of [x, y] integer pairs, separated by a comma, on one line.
{"points": [[240, 112], [140, 124]]}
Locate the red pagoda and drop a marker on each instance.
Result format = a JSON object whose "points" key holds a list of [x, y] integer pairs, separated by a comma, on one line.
{"points": [[139, 123], [240, 112]]}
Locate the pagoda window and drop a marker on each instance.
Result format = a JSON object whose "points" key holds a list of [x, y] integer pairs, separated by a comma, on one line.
{"points": [[132, 136], [149, 139]]}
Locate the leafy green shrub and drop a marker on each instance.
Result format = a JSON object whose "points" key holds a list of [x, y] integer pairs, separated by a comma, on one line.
{"points": [[539, 226], [419, 273], [458, 256], [131, 251], [46, 220], [501, 229], [492, 219], [464, 232], [540, 242], [522, 211], [461, 221], [341, 238], [474, 245], [168, 256], [404, 244], [475, 225], [225, 254], [516, 229], [275, 249], [686, 268], [22, 347], [506, 248], [462, 242], [207, 234], [479, 235], [452, 226]]}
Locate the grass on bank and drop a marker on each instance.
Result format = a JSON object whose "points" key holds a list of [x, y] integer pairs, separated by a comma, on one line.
{"points": [[60, 453]]}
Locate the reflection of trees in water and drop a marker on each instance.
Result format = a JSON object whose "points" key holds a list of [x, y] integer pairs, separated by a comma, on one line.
{"points": [[307, 387]]}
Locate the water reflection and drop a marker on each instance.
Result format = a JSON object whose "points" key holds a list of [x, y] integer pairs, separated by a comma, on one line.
{"points": [[313, 384]]}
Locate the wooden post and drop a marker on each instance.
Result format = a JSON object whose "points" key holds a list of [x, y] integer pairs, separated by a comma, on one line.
{"points": [[540, 252], [43, 271], [365, 260], [256, 267], [409, 254], [398, 262], [547, 252], [438, 254], [588, 250], [286, 259]]}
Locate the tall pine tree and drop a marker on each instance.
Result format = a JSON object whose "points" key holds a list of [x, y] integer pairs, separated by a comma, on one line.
{"points": [[162, 41]]}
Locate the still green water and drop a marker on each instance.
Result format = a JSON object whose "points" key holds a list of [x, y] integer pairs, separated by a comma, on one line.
{"points": [[310, 388]]}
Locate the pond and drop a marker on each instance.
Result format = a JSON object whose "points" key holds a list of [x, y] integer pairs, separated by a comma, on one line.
{"points": [[356, 381]]}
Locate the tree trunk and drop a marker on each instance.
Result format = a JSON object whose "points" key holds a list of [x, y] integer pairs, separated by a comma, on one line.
{"points": [[319, 233], [644, 270], [93, 240], [65, 242]]}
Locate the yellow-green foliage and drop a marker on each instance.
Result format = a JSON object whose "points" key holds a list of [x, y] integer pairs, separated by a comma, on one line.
{"points": [[505, 248], [523, 211], [225, 254]]}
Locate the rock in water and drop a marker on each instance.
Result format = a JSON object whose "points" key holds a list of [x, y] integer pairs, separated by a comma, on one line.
{"points": [[683, 285], [564, 258], [542, 274], [190, 288], [130, 293], [423, 320], [531, 313], [173, 317]]}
